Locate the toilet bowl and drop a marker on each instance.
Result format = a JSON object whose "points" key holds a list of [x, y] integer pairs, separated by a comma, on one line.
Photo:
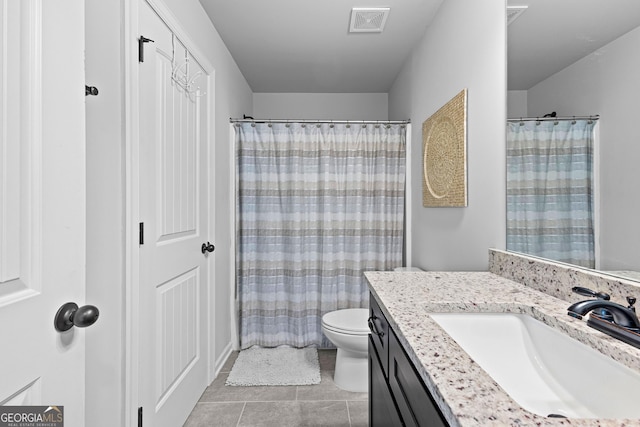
{"points": [[347, 329]]}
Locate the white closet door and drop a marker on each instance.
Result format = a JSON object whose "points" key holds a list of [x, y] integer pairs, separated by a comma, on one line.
{"points": [[174, 210]]}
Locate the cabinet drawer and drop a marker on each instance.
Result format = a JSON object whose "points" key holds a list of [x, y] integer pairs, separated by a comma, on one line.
{"points": [[415, 404], [379, 334]]}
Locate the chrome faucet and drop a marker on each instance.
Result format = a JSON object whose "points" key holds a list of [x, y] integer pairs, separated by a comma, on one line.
{"points": [[609, 317]]}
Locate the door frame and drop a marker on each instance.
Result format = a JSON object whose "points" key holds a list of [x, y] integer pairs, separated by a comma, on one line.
{"points": [[132, 194]]}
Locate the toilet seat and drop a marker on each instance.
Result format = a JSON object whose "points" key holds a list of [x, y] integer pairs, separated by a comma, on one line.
{"points": [[350, 321]]}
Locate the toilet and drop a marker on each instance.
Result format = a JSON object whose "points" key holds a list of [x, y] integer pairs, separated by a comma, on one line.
{"points": [[348, 330]]}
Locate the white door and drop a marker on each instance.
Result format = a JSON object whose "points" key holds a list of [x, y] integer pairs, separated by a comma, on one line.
{"points": [[42, 203], [173, 208]]}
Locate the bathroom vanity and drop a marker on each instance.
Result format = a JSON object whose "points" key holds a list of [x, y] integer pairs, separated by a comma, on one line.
{"points": [[397, 394], [419, 375]]}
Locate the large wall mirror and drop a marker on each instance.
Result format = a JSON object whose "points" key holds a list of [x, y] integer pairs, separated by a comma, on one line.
{"points": [[582, 58]]}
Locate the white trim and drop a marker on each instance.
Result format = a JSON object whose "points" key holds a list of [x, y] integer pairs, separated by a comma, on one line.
{"points": [[235, 333], [211, 198], [408, 205], [223, 358], [596, 194], [132, 211]]}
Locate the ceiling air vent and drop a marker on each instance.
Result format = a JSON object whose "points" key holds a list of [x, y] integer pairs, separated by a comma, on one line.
{"points": [[368, 19], [513, 12]]}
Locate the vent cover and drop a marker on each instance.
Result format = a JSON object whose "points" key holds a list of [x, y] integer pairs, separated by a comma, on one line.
{"points": [[368, 19], [513, 12]]}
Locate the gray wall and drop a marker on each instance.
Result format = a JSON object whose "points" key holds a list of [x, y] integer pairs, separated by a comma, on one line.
{"points": [[517, 104], [464, 47], [322, 106], [607, 83], [106, 192]]}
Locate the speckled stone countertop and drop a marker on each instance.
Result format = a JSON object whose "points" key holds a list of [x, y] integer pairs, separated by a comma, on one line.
{"points": [[466, 394]]}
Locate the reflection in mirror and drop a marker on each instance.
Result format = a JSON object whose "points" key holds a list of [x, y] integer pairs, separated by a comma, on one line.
{"points": [[582, 58], [550, 189]]}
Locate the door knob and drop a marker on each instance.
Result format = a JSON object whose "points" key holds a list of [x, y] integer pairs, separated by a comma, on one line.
{"points": [[69, 315], [208, 247]]}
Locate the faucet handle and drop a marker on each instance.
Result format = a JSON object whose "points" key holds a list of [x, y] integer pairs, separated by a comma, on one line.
{"points": [[631, 301], [589, 293]]}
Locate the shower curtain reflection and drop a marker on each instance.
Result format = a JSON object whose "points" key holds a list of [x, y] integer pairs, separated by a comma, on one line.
{"points": [[318, 204], [550, 190]]}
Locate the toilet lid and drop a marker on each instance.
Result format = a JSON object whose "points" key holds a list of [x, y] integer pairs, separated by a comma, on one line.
{"points": [[351, 320]]}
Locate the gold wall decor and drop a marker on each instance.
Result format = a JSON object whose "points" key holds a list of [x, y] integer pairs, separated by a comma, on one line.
{"points": [[444, 154]]}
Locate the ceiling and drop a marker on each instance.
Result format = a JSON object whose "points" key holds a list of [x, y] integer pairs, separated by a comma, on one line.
{"points": [[305, 46], [553, 34]]}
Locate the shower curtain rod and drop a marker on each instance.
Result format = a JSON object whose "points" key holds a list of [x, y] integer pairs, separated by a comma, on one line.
{"points": [[541, 119], [373, 122]]}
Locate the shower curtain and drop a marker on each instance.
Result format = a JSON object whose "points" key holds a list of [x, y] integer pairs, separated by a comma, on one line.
{"points": [[550, 190], [317, 205]]}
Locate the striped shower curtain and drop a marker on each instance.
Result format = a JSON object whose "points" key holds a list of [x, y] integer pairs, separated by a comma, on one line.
{"points": [[317, 205], [550, 190]]}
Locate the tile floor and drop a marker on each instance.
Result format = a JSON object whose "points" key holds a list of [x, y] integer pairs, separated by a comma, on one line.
{"points": [[323, 404]]}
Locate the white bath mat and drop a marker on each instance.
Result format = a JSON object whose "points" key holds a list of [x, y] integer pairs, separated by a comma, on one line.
{"points": [[275, 366]]}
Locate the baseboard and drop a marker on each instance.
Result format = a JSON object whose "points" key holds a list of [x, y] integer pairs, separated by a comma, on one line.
{"points": [[226, 352]]}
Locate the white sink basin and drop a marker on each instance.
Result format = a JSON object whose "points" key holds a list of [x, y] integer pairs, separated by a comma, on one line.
{"points": [[544, 370]]}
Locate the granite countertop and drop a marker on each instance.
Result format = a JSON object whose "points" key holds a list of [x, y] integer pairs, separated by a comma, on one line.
{"points": [[466, 394]]}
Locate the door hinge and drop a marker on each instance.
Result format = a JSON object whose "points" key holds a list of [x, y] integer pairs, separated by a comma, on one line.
{"points": [[140, 416], [141, 234], [141, 41]]}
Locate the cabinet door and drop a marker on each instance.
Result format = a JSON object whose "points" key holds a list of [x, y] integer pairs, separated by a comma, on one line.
{"points": [[382, 409], [379, 333], [415, 404]]}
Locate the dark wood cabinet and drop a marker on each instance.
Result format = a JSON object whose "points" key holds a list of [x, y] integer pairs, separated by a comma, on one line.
{"points": [[382, 410], [397, 394], [414, 401], [379, 334]]}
